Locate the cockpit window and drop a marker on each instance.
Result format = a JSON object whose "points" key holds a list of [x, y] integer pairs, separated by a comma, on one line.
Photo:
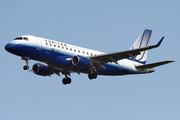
{"points": [[25, 38], [21, 38], [18, 38]]}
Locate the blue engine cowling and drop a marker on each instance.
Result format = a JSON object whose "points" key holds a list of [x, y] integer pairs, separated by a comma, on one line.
{"points": [[41, 69], [80, 61]]}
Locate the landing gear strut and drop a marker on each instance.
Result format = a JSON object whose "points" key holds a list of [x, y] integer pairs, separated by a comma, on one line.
{"points": [[26, 67]]}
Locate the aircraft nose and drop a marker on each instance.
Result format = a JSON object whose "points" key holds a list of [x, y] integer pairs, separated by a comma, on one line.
{"points": [[9, 47]]}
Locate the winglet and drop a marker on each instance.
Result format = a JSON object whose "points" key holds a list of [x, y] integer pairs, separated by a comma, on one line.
{"points": [[159, 43]]}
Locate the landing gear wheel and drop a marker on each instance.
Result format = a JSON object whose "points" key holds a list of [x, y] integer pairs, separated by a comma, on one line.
{"points": [[26, 67], [66, 80], [92, 75]]}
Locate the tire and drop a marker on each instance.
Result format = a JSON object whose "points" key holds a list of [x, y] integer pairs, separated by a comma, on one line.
{"points": [[68, 80], [64, 81], [90, 76]]}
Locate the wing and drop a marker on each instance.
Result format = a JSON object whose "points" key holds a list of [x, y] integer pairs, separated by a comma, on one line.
{"points": [[152, 65], [114, 57]]}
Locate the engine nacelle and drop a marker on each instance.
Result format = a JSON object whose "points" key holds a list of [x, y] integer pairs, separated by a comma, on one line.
{"points": [[80, 61], [41, 69]]}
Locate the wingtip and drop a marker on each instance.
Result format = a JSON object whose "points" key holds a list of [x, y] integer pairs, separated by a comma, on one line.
{"points": [[171, 61]]}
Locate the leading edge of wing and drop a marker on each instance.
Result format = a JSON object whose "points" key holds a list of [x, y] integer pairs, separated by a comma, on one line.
{"points": [[114, 57]]}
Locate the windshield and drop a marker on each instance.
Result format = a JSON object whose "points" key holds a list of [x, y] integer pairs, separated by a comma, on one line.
{"points": [[25, 38], [21, 38], [18, 38]]}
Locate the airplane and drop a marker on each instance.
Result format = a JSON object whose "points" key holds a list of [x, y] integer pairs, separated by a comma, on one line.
{"points": [[58, 57]]}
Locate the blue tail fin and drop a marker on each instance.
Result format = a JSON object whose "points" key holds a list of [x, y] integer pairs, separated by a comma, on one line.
{"points": [[142, 41]]}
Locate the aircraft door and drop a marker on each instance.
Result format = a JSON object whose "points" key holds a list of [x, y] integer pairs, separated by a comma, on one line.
{"points": [[39, 43]]}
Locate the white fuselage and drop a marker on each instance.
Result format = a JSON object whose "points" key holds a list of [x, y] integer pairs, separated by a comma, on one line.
{"points": [[49, 48]]}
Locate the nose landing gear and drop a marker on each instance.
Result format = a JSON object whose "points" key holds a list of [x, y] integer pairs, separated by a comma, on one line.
{"points": [[26, 67]]}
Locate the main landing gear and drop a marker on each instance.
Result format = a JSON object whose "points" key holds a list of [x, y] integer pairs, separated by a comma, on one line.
{"points": [[26, 67], [66, 80], [92, 75]]}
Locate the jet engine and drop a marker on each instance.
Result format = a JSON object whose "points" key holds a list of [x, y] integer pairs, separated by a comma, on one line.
{"points": [[41, 69], [81, 62]]}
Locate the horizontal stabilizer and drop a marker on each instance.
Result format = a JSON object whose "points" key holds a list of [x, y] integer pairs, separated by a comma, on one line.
{"points": [[152, 65]]}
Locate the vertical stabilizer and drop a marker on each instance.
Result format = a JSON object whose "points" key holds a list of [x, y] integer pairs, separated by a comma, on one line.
{"points": [[142, 41]]}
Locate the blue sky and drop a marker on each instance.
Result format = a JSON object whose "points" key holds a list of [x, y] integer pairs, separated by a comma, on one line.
{"points": [[107, 26]]}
